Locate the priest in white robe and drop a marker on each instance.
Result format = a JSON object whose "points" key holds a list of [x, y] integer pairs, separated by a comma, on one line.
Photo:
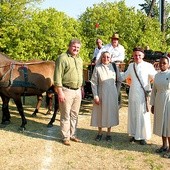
{"points": [[139, 123]]}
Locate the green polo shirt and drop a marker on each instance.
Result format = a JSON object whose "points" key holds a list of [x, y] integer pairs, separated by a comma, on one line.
{"points": [[68, 71]]}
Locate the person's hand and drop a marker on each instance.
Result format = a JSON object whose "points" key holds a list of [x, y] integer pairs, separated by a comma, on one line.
{"points": [[152, 109], [61, 97], [97, 100]]}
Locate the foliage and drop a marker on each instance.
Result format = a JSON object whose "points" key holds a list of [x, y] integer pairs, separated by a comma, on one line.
{"points": [[146, 8], [46, 34], [30, 33], [13, 15], [134, 27], [156, 14], [34, 34]]}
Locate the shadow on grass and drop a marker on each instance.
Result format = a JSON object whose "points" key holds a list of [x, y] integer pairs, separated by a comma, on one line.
{"points": [[40, 130], [37, 129], [120, 141]]}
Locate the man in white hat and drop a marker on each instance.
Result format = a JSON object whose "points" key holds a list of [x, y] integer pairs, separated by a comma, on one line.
{"points": [[116, 50]]}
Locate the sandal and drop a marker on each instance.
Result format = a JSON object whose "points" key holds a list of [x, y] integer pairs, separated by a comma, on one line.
{"points": [[166, 155], [161, 150], [98, 137]]}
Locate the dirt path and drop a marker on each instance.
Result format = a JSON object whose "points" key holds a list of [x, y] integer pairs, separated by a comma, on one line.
{"points": [[40, 148]]}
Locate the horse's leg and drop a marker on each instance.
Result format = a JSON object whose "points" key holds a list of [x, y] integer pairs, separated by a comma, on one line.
{"points": [[21, 112], [56, 107], [39, 102], [5, 110], [49, 102]]}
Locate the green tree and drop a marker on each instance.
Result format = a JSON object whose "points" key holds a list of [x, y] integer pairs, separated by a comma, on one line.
{"points": [[29, 33], [151, 8], [134, 27], [13, 13], [46, 34]]}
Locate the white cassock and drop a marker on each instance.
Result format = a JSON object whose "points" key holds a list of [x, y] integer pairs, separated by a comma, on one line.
{"points": [[139, 123]]}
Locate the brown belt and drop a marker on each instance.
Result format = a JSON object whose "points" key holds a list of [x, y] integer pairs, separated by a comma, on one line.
{"points": [[70, 87]]}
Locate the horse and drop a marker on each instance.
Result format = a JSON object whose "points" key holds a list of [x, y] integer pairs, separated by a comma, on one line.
{"points": [[22, 79], [49, 103]]}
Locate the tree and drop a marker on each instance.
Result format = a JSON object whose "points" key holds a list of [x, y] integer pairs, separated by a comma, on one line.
{"points": [[134, 27], [13, 13], [29, 33], [151, 8], [47, 37]]}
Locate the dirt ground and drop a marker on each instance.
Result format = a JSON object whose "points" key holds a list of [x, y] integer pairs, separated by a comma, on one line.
{"points": [[40, 148]]}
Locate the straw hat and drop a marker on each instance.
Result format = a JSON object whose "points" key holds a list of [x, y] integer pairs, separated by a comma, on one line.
{"points": [[115, 36]]}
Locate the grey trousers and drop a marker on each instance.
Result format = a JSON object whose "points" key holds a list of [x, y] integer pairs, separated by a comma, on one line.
{"points": [[69, 111]]}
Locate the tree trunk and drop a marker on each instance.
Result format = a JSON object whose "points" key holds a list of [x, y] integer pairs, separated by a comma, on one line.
{"points": [[163, 15], [151, 7]]}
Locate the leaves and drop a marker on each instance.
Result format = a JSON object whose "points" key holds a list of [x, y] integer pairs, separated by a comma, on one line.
{"points": [[29, 33], [134, 27]]}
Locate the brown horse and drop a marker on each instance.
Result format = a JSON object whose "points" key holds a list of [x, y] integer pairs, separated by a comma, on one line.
{"points": [[22, 79], [49, 103]]}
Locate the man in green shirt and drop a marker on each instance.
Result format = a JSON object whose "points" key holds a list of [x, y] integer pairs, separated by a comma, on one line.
{"points": [[68, 79]]}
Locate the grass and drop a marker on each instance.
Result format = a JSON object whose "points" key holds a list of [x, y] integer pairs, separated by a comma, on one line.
{"points": [[40, 148]]}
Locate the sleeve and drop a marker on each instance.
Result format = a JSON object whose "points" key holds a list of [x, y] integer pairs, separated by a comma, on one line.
{"points": [[152, 72], [94, 82], [59, 71], [99, 54], [153, 95], [94, 53], [125, 74], [121, 55]]}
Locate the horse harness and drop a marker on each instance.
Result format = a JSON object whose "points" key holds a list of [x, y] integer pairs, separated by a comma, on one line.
{"points": [[17, 83]]}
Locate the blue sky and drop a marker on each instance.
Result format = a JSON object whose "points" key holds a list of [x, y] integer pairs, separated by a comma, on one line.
{"points": [[74, 8]]}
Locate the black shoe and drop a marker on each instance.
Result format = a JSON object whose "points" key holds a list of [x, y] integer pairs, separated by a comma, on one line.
{"points": [[132, 139], [143, 142], [108, 138], [161, 150], [98, 137]]}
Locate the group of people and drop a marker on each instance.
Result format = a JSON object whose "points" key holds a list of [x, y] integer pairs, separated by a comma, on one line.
{"points": [[116, 50], [105, 82]]}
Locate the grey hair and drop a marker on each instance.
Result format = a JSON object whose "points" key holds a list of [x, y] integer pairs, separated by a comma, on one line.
{"points": [[73, 41]]}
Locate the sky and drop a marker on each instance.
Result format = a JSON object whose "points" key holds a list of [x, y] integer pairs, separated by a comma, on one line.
{"points": [[74, 8]]}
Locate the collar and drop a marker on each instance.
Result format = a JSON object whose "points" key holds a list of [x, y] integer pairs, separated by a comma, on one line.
{"points": [[167, 70], [69, 55]]}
